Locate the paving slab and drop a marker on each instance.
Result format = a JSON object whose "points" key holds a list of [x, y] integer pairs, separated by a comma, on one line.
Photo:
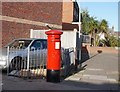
{"points": [[100, 73]]}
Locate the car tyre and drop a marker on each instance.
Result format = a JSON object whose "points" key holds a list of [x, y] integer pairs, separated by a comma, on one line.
{"points": [[15, 64]]}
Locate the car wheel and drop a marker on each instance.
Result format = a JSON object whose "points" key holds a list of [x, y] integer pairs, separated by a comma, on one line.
{"points": [[15, 64], [24, 64]]}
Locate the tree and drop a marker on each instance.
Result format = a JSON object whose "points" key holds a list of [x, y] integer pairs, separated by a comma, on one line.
{"points": [[118, 42], [112, 41], [85, 18], [93, 29], [103, 27], [91, 26]]}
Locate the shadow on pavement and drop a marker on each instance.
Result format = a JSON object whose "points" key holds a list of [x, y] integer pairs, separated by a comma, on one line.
{"points": [[85, 55], [17, 84]]}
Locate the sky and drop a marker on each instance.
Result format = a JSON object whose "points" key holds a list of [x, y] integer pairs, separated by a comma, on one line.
{"points": [[103, 10]]}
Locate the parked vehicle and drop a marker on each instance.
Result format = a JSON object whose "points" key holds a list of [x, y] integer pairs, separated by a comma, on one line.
{"points": [[19, 51]]}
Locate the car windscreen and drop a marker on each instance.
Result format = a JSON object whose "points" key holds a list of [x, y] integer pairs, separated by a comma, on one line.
{"points": [[20, 44]]}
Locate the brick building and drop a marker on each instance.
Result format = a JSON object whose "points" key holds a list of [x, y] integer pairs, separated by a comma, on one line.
{"points": [[19, 17]]}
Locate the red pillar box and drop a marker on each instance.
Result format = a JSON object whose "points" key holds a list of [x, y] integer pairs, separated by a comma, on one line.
{"points": [[54, 55]]}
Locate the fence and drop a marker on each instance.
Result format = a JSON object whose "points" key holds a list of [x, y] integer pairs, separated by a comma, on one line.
{"points": [[31, 63], [68, 61], [26, 62]]}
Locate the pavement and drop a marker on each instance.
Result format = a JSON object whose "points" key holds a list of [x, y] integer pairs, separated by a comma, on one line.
{"points": [[100, 72]]}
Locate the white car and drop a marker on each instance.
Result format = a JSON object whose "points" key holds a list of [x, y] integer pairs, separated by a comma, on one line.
{"points": [[16, 55]]}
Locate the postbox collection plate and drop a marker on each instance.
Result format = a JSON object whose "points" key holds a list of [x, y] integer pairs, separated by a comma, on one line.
{"points": [[57, 45]]}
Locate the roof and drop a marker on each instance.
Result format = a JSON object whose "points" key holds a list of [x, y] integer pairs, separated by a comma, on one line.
{"points": [[117, 33]]}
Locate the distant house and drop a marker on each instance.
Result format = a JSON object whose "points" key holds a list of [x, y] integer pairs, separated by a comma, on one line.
{"points": [[114, 33], [110, 31], [117, 34], [19, 17]]}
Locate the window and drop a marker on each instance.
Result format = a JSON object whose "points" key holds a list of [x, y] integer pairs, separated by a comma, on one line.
{"points": [[37, 45], [75, 12], [44, 44]]}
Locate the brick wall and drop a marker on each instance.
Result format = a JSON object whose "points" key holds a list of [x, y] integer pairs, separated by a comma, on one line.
{"points": [[13, 30], [94, 50], [50, 12], [57, 13], [40, 12], [67, 15]]}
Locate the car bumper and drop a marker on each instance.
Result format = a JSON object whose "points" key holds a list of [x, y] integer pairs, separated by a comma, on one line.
{"points": [[3, 64]]}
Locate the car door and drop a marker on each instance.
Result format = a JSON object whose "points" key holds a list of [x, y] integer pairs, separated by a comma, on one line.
{"points": [[35, 50], [38, 53], [44, 52]]}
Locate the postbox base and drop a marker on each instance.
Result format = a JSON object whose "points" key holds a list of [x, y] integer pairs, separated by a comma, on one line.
{"points": [[53, 76]]}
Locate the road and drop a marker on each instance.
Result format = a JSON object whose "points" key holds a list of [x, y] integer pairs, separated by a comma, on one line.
{"points": [[100, 73]]}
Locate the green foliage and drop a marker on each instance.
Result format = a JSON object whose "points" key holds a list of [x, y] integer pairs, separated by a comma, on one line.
{"points": [[97, 40], [103, 26], [102, 42], [85, 18], [93, 27], [90, 25], [111, 41], [119, 42]]}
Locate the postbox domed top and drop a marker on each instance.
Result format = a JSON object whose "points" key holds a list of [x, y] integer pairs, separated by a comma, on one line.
{"points": [[54, 32]]}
